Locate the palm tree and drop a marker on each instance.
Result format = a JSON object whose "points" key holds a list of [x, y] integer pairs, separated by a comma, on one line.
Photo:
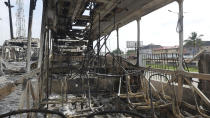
{"points": [[117, 51], [194, 41]]}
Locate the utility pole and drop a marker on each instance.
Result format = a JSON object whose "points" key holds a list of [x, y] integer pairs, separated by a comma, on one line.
{"points": [[10, 18]]}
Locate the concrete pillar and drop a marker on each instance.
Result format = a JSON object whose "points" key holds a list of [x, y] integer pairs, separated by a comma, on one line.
{"points": [[41, 47], [9, 54], [180, 68], [42, 37], [180, 2], [204, 67], [28, 65]]}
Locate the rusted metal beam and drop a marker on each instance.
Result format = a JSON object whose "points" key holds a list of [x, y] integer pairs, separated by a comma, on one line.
{"points": [[103, 1], [193, 107], [164, 106], [106, 10], [201, 76], [196, 56], [199, 92], [76, 10], [131, 95]]}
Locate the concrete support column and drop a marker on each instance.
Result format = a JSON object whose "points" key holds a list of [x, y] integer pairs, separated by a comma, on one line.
{"points": [[28, 55], [47, 64], [180, 2], [28, 65], [42, 37], [180, 68], [41, 49]]}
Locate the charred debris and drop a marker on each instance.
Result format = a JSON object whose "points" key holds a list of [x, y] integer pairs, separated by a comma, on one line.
{"points": [[73, 79]]}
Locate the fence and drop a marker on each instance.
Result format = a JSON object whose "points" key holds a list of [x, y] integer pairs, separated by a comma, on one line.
{"points": [[169, 61]]}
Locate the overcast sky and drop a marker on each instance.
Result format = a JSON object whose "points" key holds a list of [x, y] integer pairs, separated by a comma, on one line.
{"points": [[4, 22], [158, 27]]}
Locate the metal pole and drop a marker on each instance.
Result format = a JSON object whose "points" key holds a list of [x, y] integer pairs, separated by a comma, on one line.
{"points": [[117, 30], [29, 36], [138, 42], [180, 2], [98, 41], [10, 20], [118, 49], [90, 40], [47, 64]]}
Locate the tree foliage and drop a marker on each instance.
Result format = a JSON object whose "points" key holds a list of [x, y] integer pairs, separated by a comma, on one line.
{"points": [[194, 40], [116, 51], [131, 52]]}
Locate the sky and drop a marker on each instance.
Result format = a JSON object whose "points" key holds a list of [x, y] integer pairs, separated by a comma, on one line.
{"points": [[4, 22], [158, 27]]}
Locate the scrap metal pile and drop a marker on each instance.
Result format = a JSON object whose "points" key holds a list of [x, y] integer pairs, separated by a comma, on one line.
{"points": [[15, 49]]}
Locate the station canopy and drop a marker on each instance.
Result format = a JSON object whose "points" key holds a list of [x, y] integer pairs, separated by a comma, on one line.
{"points": [[78, 18]]}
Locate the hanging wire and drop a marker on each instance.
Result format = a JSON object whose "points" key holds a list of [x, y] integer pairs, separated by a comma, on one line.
{"points": [[179, 27]]}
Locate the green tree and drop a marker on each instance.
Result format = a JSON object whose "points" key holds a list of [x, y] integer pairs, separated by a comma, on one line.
{"points": [[131, 52], [116, 52], [194, 41]]}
